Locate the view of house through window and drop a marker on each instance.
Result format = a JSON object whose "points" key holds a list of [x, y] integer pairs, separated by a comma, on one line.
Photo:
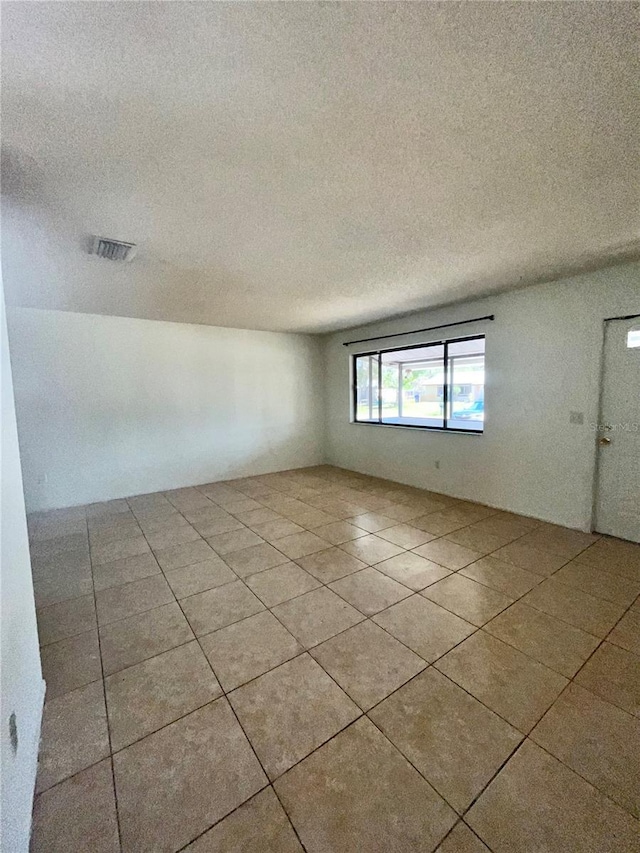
{"points": [[437, 386]]}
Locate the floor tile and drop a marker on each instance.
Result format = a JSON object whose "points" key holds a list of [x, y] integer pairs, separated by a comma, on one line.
{"points": [[66, 619], [109, 521], [147, 696], [339, 532], [259, 516], [316, 616], [62, 563], [199, 577], [258, 825], [614, 674], [373, 521], [273, 530], [244, 504], [281, 583], [367, 662], [119, 602], [470, 600], [235, 540], [143, 636], [596, 739], [439, 523], [337, 508], [453, 740], [104, 535], [171, 536], [165, 524], [159, 511], [71, 663], [536, 803], [370, 591], [504, 577], [402, 512], [426, 628], [371, 549], [515, 518], [560, 540], [117, 506], [531, 559], [77, 815], [311, 519], [258, 558], [600, 584], [212, 526], [174, 784], [249, 648], [330, 565], [405, 536], [290, 711], [593, 615], [481, 541], [127, 570], [142, 503], [58, 545], [412, 570], [556, 644], [111, 551], [613, 555], [52, 587], [74, 734], [516, 687], [500, 525], [301, 544], [626, 633], [55, 529], [184, 555], [216, 608], [448, 554], [202, 514], [357, 792], [462, 840]]}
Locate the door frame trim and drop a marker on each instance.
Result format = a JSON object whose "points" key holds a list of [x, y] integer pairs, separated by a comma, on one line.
{"points": [[596, 467]]}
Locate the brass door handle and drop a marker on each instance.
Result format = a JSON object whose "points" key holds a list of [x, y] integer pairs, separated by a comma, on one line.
{"points": [[604, 441]]}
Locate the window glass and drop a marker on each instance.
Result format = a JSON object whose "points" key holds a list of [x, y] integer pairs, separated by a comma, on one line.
{"points": [[437, 386], [413, 386]]}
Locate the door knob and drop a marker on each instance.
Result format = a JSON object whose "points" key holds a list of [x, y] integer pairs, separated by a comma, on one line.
{"points": [[604, 441]]}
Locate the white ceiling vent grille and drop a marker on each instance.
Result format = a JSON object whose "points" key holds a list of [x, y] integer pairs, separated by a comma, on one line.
{"points": [[113, 250]]}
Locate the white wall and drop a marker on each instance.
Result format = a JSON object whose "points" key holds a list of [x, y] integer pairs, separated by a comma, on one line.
{"points": [[21, 684], [111, 406], [543, 357]]}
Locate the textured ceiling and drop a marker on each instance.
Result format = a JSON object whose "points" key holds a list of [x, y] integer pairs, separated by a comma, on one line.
{"points": [[311, 166]]}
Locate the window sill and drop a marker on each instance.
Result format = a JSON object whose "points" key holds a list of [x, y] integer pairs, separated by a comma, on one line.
{"points": [[416, 428]]}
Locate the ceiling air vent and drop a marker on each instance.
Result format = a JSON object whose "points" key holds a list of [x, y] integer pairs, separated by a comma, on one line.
{"points": [[113, 250]]}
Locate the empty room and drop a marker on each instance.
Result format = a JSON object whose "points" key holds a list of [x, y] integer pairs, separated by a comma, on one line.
{"points": [[320, 427]]}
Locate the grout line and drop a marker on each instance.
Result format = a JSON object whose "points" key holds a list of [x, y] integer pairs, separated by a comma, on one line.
{"points": [[106, 708]]}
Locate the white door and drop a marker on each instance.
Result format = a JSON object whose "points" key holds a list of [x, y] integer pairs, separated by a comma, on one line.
{"points": [[618, 433]]}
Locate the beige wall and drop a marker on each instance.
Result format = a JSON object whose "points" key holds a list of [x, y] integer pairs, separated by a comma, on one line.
{"points": [[543, 357], [111, 406]]}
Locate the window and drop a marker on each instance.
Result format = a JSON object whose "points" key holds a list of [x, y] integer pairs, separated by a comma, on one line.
{"points": [[633, 338], [434, 386]]}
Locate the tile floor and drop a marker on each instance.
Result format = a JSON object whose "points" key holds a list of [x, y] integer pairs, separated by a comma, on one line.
{"points": [[318, 660]]}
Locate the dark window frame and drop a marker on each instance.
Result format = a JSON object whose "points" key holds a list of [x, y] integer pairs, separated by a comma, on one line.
{"points": [[445, 390]]}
